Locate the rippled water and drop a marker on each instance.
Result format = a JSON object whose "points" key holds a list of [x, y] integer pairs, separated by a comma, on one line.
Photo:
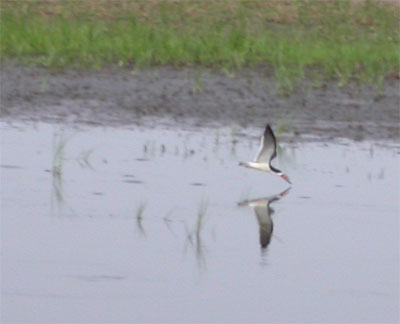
{"points": [[148, 224]]}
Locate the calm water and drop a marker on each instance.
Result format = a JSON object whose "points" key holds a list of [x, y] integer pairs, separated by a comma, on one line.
{"points": [[144, 225]]}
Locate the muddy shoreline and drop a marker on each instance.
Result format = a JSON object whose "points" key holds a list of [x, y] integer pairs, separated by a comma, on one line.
{"points": [[117, 97]]}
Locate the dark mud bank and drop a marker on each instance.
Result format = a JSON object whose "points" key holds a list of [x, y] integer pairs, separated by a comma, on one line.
{"points": [[119, 97]]}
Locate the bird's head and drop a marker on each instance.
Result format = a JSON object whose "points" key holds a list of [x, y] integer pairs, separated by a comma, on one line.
{"points": [[285, 177]]}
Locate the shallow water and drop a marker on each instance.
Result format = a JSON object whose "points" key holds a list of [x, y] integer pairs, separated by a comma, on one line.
{"points": [[144, 224]]}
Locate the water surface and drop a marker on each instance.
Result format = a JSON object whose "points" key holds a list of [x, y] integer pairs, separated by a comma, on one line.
{"points": [[152, 225]]}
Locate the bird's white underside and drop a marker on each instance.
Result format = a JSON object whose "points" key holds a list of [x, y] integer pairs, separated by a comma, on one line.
{"points": [[258, 203], [262, 166]]}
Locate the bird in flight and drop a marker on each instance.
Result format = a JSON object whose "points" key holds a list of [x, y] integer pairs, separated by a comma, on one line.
{"points": [[263, 212], [266, 153]]}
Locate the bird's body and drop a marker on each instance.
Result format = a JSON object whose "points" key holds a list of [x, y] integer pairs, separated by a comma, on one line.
{"points": [[256, 165], [266, 153]]}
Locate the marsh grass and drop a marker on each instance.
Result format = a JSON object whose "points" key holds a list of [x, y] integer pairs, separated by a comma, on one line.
{"points": [[201, 213], [44, 84], [194, 235], [140, 211], [139, 218], [57, 170], [197, 81], [84, 158], [341, 40], [59, 143]]}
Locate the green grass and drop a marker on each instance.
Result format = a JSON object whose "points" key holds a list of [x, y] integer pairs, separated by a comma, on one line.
{"points": [[336, 40]]}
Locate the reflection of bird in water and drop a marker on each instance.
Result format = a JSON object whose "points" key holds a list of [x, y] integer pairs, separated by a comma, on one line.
{"points": [[266, 153], [263, 213]]}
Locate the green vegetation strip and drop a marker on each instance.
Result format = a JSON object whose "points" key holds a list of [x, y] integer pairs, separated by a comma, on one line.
{"points": [[339, 40]]}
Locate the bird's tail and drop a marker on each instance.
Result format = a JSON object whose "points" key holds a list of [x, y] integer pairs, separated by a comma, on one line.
{"points": [[243, 203]]}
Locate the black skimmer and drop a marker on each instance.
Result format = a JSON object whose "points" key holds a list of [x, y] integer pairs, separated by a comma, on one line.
{"points": [[263, 213], [266, 153]]}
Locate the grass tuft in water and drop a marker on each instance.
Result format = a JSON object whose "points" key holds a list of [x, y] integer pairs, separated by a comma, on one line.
{"points": [[140, 211], [139, 217], [84, 158], [59, 143], [194, 236]]}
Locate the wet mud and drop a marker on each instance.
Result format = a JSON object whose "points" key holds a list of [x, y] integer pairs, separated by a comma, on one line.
{"points": [[192, 97]]}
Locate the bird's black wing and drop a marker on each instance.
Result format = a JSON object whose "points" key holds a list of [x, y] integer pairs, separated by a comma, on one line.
{"points": [[267, 150]]}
